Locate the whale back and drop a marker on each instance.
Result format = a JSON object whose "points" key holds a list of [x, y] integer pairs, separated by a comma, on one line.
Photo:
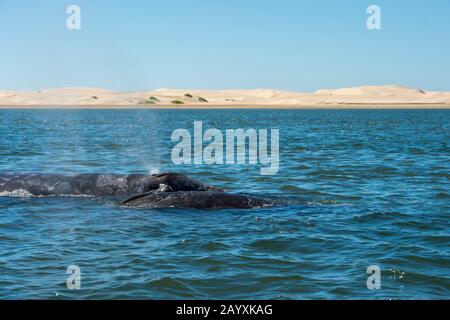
{"points": [[97, 184], [196, 199]]}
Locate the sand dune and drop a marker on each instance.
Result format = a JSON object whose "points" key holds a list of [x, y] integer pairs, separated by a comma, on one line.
{"points": [[367, 96]]}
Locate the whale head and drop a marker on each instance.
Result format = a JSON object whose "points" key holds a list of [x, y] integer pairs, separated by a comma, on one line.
{"points": [[173, 182]]}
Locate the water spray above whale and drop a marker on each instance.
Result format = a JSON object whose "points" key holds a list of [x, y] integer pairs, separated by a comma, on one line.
{"points": [[167, 190]]}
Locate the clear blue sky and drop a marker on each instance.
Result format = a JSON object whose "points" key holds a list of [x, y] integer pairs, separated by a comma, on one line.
{"points": [[221, 44]]}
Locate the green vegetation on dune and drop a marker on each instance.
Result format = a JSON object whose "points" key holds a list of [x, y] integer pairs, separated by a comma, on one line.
{"points": [[151, 100], [154, 99]]}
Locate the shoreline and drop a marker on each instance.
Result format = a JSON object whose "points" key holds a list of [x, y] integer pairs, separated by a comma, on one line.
{"points": [[353, 106]]}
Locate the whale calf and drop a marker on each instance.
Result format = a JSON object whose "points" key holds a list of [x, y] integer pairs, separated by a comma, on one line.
{"points": [[197, 199], [97, 184]]}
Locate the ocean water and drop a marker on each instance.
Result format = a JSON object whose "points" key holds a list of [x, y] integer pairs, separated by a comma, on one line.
{"points": [[366, 187]]}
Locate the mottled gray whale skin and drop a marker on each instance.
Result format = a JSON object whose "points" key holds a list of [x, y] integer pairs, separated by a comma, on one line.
{"points": [[198, 200], [167, 190], [97, 184]]}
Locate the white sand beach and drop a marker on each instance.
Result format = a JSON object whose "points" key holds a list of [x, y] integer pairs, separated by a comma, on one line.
{"points": [[392, 96]]}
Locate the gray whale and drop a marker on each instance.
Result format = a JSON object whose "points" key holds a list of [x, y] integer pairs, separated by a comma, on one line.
{"points": [[97, 184], [197, 199], [167, 190]]}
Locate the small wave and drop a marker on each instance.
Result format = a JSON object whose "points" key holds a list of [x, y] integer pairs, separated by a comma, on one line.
{"points": [[442, 195], [380, 216], [154, 171], [70, 196], [19, 193]]}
